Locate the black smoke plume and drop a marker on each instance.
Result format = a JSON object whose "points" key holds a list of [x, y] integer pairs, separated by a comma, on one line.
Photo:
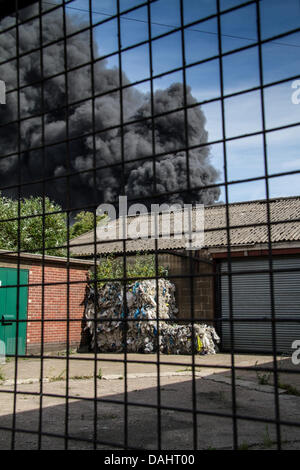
{"points": [[61, 159]]}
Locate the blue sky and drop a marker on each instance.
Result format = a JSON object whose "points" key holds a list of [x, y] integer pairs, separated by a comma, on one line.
{"points": [[281, 60]]}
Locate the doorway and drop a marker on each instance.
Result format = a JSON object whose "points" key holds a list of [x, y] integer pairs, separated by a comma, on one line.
{"points": [[8, 309]]}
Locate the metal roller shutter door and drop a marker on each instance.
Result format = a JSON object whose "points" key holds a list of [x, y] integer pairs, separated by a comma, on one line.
{"points": [[251, 299]]}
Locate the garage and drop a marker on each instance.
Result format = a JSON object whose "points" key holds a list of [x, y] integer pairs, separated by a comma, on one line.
{"points": [[251, 300]]}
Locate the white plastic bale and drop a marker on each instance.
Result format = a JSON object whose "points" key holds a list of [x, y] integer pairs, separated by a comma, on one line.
{"points": [[142, 335]]}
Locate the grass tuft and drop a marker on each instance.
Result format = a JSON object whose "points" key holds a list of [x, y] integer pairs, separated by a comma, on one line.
{"points": [[263, 377], [290, 389]]}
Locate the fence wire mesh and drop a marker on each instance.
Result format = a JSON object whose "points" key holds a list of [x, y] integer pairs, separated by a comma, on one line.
{"points": [[175, 102]]}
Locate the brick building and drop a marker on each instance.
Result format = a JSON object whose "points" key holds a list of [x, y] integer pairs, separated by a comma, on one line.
{"points": [[42, 310], [202, 277], [185, 267]]}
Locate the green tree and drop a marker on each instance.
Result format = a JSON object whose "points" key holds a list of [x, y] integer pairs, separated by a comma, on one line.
{"points": [[84, 222], [28, 223]]}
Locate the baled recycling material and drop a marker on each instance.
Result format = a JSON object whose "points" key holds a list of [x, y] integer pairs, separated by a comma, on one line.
{"points": [[141, 321]]}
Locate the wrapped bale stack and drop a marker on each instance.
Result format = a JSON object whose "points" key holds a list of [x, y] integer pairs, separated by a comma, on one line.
{"points": [[141, 320]]}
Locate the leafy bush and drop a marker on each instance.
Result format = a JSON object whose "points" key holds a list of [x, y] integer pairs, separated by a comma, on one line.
{"points": [[111, 267]]}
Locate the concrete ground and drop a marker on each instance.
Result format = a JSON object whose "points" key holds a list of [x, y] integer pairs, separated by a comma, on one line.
{"points": [[177, 427]]}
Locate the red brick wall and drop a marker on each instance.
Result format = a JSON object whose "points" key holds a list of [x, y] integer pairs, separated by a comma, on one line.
{"points": [[55, 306]]}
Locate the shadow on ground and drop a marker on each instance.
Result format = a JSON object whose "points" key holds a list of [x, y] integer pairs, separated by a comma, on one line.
{"points": [[174, 424]]}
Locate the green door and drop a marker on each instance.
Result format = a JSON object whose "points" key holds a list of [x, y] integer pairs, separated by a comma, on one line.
{"points": [[8, 309]]}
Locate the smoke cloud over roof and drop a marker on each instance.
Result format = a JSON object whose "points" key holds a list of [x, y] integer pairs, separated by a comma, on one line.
{"points": [[60, 159]]}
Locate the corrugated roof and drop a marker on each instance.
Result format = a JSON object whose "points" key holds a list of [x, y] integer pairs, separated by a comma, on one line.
{"points": [[244, 222]]}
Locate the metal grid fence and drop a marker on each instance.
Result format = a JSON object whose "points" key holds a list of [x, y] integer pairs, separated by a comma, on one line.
{"points": [[43, 180]]}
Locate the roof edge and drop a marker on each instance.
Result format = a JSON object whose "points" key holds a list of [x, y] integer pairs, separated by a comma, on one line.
{"points": [[49, 258], [254, 201]]}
